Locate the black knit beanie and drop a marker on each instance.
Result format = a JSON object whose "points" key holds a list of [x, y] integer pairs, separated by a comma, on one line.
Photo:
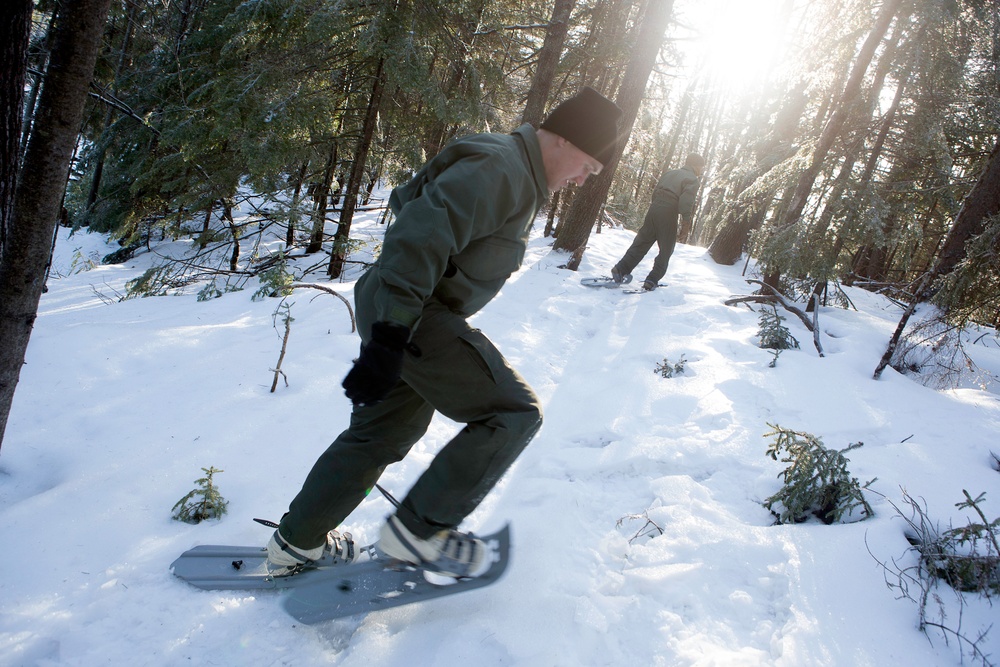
{"points": [[589, 121]]}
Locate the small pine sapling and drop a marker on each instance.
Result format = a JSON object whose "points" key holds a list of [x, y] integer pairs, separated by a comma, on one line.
{"points": [[669, 370], [155, 281], [816, 483], [276, 280], [203, 502], [81, 263], [773, 335], [209, 291]]}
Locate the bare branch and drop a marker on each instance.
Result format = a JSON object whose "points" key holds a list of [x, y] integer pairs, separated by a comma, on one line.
{"points": [[284, 345], [330, 290], [532, 26]]}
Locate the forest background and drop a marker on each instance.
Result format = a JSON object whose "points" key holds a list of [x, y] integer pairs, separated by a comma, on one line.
{"points": [[848, 141]]}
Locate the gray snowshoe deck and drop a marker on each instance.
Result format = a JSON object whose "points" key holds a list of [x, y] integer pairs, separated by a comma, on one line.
{"points": [[333, 589], [218, 567]]}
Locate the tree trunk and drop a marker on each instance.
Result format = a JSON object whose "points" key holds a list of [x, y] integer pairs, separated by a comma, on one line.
{"points": [[835, 124], [123, 56], [206, 226], [227, 215], [15, 30], [669, 157], [727, 247], [548, 62], [550, 218], [866, 177], [575, 230], [293, 210], [36, 80], [982, 203], [745, 215], [321, 197], [840, 114], [339, 252], [38, 197]]}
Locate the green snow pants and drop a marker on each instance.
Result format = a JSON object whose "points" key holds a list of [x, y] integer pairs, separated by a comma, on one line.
{"points": [[460, 374], [660, 227]]}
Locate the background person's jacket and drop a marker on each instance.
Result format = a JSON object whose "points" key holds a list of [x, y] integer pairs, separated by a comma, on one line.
{"points": [[678, 187]]}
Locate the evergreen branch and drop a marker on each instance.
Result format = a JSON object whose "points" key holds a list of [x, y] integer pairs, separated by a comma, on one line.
{"points": [[103, 95], [973, 503]]}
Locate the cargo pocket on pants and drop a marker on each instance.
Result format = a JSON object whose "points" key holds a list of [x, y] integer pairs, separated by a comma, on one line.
{"points": [[483, 353]]}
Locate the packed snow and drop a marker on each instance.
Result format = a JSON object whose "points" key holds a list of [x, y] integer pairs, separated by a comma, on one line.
{"points": [[122, 403]]}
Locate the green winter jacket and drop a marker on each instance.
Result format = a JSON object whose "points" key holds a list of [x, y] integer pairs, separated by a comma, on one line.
{"points": [[461, 229], [678, 187]]}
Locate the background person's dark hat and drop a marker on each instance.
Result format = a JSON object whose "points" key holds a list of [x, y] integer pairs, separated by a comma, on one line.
{"points": [[589, 121]]}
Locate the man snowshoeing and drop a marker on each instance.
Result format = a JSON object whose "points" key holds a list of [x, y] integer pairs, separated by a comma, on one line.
{"points": [[461, 230], [674, 195]]}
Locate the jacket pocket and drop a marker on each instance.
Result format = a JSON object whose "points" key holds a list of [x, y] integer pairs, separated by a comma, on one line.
{"points": [[490, 259]]}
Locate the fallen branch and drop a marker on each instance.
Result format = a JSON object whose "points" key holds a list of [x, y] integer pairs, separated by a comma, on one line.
{"points": [[815, 322], [284, 346], [647, 528]]}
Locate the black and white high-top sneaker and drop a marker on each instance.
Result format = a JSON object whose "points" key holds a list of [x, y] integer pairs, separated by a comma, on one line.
{"points": [[447, 552]]}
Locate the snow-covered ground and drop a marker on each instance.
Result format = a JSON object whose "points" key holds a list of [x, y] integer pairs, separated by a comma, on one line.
{"points": [[121, 404]]}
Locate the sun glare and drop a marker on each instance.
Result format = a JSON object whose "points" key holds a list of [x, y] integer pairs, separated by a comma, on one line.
{"points": [[737, 42]]}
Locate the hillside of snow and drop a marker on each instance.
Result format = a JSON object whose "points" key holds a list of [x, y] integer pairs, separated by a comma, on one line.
{"points": [[122, 403]]}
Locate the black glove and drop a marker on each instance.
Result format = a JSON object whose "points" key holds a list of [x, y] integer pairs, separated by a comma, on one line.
{"points": [[377, 370]]}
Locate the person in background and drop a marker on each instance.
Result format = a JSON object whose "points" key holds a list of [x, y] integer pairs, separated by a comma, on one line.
{"points": [[461, 230], [673, 196]]}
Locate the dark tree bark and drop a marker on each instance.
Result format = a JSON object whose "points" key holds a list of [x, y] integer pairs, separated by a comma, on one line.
{"points": [[321, 197], [548, 61], [575, 230], [38, 196], [293, 214], [727, 247], [227, 216], [15, 30], [982, 203], [339, 252], [41, 65]]}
